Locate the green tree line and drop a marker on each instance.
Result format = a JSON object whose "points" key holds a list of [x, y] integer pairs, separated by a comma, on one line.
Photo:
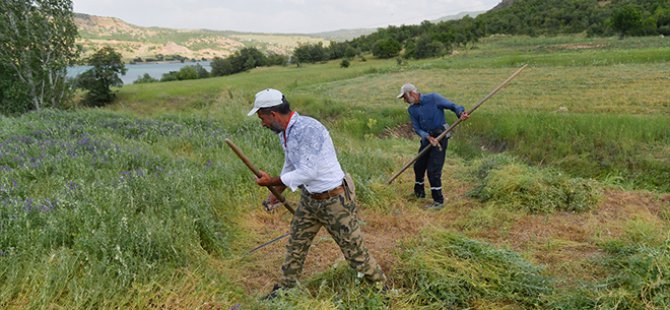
{"points": [[522, 17]]}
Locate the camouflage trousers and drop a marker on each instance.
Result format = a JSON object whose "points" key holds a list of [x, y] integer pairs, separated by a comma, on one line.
{"points": [[338, 215]]}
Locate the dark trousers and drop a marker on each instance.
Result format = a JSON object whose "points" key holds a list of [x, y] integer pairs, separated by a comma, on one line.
{"points": [[432, 161]]}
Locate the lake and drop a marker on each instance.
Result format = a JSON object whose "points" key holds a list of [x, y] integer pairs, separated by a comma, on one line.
{"points": [[156, 70]]}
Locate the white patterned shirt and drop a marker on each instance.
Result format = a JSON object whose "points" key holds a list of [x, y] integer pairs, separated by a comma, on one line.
{"points": [[309, 156]]}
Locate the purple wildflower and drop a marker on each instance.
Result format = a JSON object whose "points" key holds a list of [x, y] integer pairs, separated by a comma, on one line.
{"points": [[28, 205], [72, 186], [49, 205]]}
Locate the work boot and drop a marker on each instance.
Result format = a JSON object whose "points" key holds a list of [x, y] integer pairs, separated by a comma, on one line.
{"points": [[419, 191], [436, 194], [273, 294], [435, 206]]}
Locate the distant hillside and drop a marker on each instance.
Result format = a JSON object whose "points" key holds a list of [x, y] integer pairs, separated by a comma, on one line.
{"points": [[458, 16], [348, 34], [503, 4], [344, 34], [152, 42]]}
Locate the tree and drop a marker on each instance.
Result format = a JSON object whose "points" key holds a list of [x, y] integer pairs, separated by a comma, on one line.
{"points": [[274, 59], [107, 66], [170, 76], [425, 47], [386, 48], [663, 21], [37, 44], [14, 97], [242, 60], [310, 53], [146, 78], [202, 72], [627, 19], [187, 73], [351, 52]]}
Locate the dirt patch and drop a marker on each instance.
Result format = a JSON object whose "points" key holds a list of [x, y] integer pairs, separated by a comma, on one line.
{"points": [[578, 46]]}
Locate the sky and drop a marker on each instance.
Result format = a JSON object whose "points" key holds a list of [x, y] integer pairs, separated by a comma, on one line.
{"points": [[278, 16]]}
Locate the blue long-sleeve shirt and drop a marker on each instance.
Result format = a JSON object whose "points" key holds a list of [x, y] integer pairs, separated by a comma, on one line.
{"points": [[428, 115]]}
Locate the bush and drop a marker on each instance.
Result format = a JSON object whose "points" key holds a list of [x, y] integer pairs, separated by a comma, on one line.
{"points": [[344, 63], [170, 76], [146, 78]]}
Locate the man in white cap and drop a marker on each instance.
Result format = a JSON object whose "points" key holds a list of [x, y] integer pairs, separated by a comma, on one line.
{"points": [[427, 114], [310, 163]]}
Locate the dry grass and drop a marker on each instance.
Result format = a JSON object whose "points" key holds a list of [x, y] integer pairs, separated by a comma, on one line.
{"points": [[566, 243]]}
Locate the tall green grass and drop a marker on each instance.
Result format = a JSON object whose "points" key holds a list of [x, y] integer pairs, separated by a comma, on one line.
{"points": [[587, 145], [96, 206]]}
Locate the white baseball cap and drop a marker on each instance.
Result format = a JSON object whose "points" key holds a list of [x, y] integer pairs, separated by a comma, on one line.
{"points": [[266, 98], [407, 88]]}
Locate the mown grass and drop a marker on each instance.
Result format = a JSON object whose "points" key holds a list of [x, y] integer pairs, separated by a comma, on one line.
{"points": [[448, 270], [141, 204], [506, 182]]}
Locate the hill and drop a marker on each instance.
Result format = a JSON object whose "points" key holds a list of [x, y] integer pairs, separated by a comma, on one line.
{"points": [[134, 41], [150, 42], [458, 16]]}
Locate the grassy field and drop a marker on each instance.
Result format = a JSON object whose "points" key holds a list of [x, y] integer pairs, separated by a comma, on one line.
{"points": [[558, 192]]}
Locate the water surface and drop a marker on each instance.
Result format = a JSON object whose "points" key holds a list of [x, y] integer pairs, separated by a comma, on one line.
{"points": [[156, 70]]}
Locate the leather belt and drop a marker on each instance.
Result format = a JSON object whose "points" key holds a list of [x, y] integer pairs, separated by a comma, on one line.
{"points": [[327, 194]]}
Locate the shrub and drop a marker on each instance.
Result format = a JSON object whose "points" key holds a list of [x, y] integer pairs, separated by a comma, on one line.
{"points": [[146, 78]]}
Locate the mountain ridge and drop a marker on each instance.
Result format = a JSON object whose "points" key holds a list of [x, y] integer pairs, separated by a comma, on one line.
{"points": [[139, 43]]}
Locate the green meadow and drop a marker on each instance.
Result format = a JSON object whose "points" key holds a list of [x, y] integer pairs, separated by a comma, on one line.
{"points": [[558, 187]]}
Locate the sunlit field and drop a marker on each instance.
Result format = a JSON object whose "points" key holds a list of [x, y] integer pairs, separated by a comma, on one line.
{"points": [[558, 187]]}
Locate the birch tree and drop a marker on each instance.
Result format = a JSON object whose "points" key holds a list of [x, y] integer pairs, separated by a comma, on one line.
{"points": [[37, 44]]}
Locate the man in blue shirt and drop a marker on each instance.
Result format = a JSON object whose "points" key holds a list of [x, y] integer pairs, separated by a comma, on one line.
{"points": [[427, 114]]}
